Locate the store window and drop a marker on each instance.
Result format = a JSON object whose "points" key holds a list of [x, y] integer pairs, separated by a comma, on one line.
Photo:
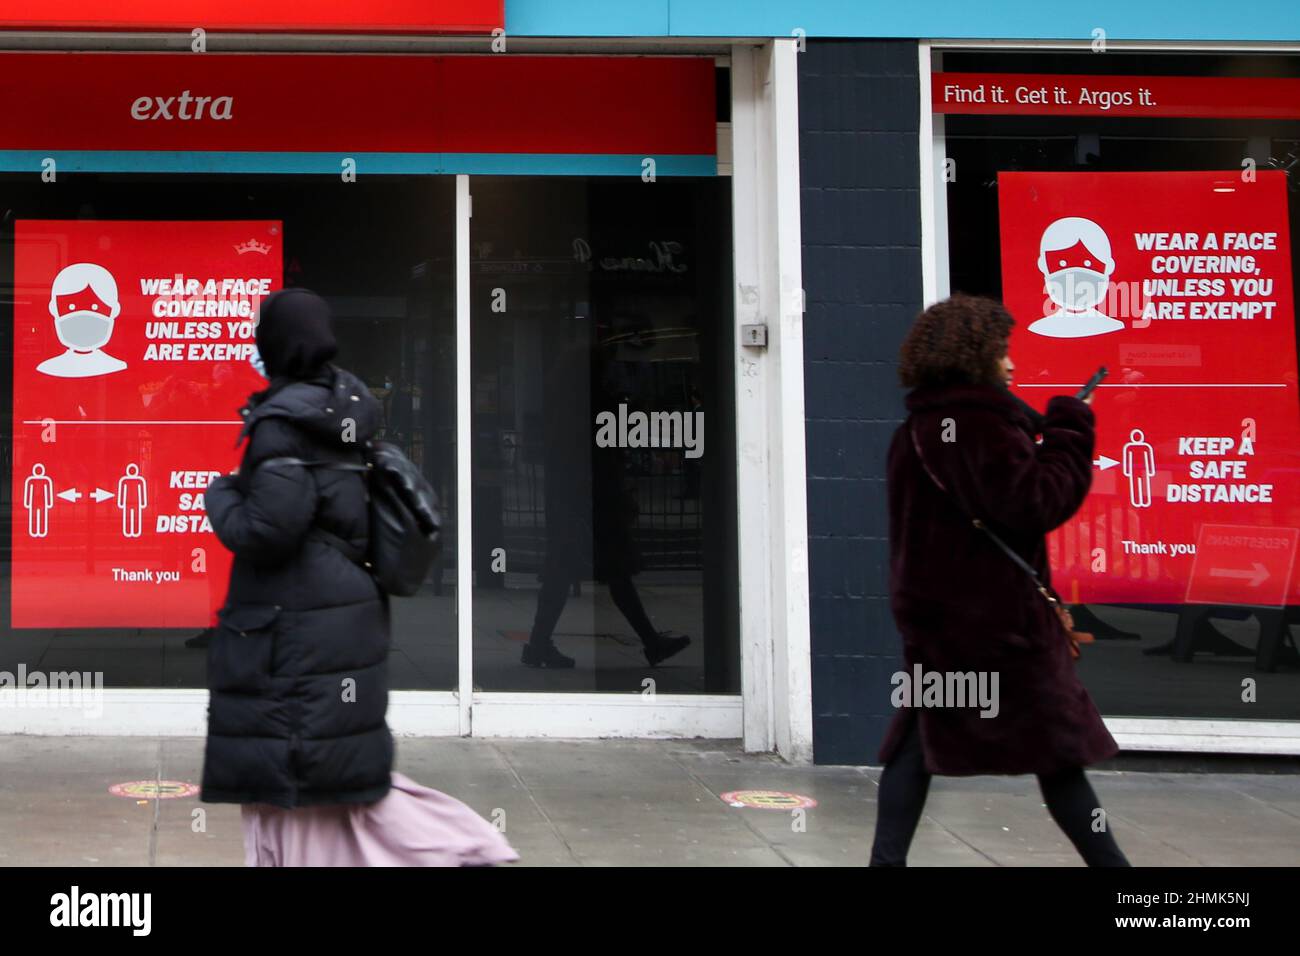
{"points": [[124, 372], [1138, 211], [603, 462]]}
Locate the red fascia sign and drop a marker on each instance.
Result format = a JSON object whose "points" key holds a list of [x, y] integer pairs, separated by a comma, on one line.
{"points": [[358, 103], [131, 353], [1181, 284], [1036, 94], [271, 16]]}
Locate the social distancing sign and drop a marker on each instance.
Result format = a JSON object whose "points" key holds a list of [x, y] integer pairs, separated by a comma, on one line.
{"points": [[1180, 283], [131, 359]]}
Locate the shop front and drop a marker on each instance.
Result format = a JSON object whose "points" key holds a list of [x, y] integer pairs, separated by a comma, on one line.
{"points": [[568, 252], [1136, 210], [531, 261]]}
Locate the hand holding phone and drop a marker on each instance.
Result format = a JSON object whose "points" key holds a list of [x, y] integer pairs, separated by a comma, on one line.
{"points": [[1086, 392]]}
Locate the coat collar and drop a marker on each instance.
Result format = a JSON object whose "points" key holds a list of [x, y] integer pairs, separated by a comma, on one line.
{"points": [[947, 396], [956, 397]]}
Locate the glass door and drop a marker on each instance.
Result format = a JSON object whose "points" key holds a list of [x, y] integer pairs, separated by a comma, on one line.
{"points": [[601, 404]]}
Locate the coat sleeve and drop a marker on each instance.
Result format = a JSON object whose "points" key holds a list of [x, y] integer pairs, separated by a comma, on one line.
{"points": [[265, 523], [997, 473]]}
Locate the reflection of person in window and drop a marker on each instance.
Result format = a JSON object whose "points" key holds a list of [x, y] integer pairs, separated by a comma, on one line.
{"points": [[589, 513], [132, 499], [38, 499]]}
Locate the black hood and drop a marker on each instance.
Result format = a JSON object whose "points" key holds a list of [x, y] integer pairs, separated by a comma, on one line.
{"points": [[334, 406], [294, 337]]}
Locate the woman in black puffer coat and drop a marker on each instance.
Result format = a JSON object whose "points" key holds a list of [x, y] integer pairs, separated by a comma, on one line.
{"points": [[301, 620], [297, 667]]}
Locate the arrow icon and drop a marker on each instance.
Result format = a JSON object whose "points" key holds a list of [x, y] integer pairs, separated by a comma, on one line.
{"points": [[1256, 577], [100, 494], [1103, 462], [72, 494]]}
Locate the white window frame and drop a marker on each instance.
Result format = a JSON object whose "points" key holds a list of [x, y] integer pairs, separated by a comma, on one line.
{"points": [[1207, 735], [774, 709]]}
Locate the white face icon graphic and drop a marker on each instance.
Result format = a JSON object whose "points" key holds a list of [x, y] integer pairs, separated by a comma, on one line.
{"points": [[84, 305], [1074, 257]]}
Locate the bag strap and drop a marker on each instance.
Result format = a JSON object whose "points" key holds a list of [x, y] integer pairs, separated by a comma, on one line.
{"points": [[304, 463], [349, 550], [1043, 589]]}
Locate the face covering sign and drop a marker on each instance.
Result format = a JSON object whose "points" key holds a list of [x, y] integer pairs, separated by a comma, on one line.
{"points": [[133, 352], [1180, 283]]}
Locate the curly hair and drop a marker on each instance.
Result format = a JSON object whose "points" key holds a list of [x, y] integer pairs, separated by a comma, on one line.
{"points": [[958, 341]]}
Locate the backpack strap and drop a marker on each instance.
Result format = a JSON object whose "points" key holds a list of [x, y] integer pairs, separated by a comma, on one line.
{"points": [[349, 550], [304, 463]]}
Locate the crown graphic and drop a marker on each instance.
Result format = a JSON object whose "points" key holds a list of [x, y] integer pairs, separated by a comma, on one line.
{"points": [[252, 245]]}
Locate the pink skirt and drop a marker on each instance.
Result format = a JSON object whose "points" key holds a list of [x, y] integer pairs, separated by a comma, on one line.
{"points": [[411, 826]]}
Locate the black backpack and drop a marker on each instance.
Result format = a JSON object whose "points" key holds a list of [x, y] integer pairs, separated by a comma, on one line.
{"points": [[405, 524]]}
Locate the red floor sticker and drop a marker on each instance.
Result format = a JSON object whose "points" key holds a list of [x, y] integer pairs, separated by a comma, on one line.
{"points": [[767, 800], [153, 789]]}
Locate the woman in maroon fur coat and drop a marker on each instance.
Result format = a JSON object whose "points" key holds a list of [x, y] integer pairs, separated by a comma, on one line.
{"points": [[968, 451]]}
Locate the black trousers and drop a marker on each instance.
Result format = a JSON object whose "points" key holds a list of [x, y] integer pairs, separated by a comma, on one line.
{"points": [[905, 784]]}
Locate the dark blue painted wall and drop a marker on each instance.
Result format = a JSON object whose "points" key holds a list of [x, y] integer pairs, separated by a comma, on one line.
{"points": [[858, 117]]}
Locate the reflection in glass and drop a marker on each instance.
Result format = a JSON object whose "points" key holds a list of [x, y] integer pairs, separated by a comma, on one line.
{"points": [[603, 465]]}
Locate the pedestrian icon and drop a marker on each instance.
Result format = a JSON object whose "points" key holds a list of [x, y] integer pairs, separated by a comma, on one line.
{"points": [[38, 499], [1139, 468], [132, 498]]}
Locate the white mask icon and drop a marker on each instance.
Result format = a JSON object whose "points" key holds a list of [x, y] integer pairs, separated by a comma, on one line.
{"points": [[83, 330], [1077, 289]]}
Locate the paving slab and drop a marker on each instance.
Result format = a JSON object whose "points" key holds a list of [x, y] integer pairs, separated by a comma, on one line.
{"points": [[644, 803]]}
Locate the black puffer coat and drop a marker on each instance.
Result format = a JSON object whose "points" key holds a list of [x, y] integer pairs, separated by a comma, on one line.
{"points": [[297, 668]]}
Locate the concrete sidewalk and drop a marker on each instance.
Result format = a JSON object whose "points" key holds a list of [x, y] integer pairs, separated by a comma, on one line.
{"points": [[642, 803]]}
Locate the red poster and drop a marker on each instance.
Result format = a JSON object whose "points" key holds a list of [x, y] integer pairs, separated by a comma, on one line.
{"points": [[1179, 283], [132, 347]]}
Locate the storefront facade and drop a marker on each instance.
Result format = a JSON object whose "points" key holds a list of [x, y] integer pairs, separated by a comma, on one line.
{"points": [[700, 241]]}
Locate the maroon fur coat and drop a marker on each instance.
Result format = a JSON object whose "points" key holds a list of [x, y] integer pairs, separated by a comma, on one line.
{"points": [[963, 605]]}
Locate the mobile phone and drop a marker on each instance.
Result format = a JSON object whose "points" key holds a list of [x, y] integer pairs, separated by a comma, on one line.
{"points": [[1092, 383]]}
